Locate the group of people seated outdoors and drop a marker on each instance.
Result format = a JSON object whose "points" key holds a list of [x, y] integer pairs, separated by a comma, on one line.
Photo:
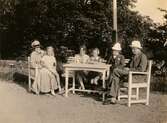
{"points": [[47, 78]]}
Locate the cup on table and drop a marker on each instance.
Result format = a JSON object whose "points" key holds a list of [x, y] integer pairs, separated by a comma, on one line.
{"points": [[77, 59]]}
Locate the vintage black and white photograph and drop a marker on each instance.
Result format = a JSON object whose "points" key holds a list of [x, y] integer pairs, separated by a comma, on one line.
{"points": [[83, 61]]}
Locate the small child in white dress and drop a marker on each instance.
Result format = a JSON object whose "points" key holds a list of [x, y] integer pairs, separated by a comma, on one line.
{"points": [[49, 77], [95, 59]]}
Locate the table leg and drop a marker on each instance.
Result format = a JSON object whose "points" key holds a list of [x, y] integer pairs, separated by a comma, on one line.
{"points": [[12, 72], [103, 77], [104, 85], [66, 82], [73, 85]]}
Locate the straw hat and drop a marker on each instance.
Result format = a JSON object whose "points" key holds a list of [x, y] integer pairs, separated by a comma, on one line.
{"points": [[35, 43], [136, 44], [117, 46]]}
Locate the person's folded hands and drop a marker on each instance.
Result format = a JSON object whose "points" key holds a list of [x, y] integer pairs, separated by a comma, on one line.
{"points": [[126, 68]]}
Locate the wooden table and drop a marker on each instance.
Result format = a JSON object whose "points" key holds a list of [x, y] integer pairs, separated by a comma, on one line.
{"points": [[99, 67]]}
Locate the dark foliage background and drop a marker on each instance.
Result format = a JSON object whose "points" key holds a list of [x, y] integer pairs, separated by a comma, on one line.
{"points": [[71, 23]]}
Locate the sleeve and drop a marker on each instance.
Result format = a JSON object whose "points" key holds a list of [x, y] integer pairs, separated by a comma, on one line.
{"points": [[122, 61], [33, 60], [143, 64], [109, 60], [131, 62], [43, 59], [43, 52]]}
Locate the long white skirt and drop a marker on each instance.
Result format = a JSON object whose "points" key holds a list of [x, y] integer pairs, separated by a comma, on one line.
{"points": [[48, 81]]}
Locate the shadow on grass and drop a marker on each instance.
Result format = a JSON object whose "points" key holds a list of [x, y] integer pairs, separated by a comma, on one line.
{"points": [[21, 80], [96, 96]]}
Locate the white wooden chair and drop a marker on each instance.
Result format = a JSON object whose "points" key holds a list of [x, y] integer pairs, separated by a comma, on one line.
{"points": [[134, 98], [72, 76], [71, 73]]}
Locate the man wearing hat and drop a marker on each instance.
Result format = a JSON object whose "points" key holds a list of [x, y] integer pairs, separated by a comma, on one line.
{"points": [[116, 59], [138, 63], [36, 57]]}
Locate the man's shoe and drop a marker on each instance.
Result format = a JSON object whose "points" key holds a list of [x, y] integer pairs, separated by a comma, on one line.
{"points": [[107, 102], [109, 96], [113, 101]]}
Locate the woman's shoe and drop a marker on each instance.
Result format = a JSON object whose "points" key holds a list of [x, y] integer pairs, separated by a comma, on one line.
{"points": [[113, 101], [92, 81], [53, 93], [83, 88], [106, 102], [60, 89], [95, 81]]}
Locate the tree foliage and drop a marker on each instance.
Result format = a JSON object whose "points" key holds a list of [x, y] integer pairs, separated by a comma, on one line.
{"points": [[157, 38], [69, 23]]}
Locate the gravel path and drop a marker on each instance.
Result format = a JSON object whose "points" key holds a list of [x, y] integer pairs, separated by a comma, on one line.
{"points": [[18, 106]]}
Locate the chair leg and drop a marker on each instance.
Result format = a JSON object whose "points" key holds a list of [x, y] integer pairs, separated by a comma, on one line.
{"points": [[103, 96], [147, 100], [129, 96], [137, 93], [119, 95], [29, 85], [73, 85]]}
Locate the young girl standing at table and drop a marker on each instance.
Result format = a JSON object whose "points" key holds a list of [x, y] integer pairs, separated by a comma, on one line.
{"points": [[82, 57], [95, 59]]}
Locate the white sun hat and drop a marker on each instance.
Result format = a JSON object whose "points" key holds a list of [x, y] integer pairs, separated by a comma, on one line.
{"points": [[136, 44], [117, 46], [35, 43]]}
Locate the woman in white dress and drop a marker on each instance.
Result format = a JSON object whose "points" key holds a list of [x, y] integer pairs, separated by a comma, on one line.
{"points": [[36, 57], [49, 77]]}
